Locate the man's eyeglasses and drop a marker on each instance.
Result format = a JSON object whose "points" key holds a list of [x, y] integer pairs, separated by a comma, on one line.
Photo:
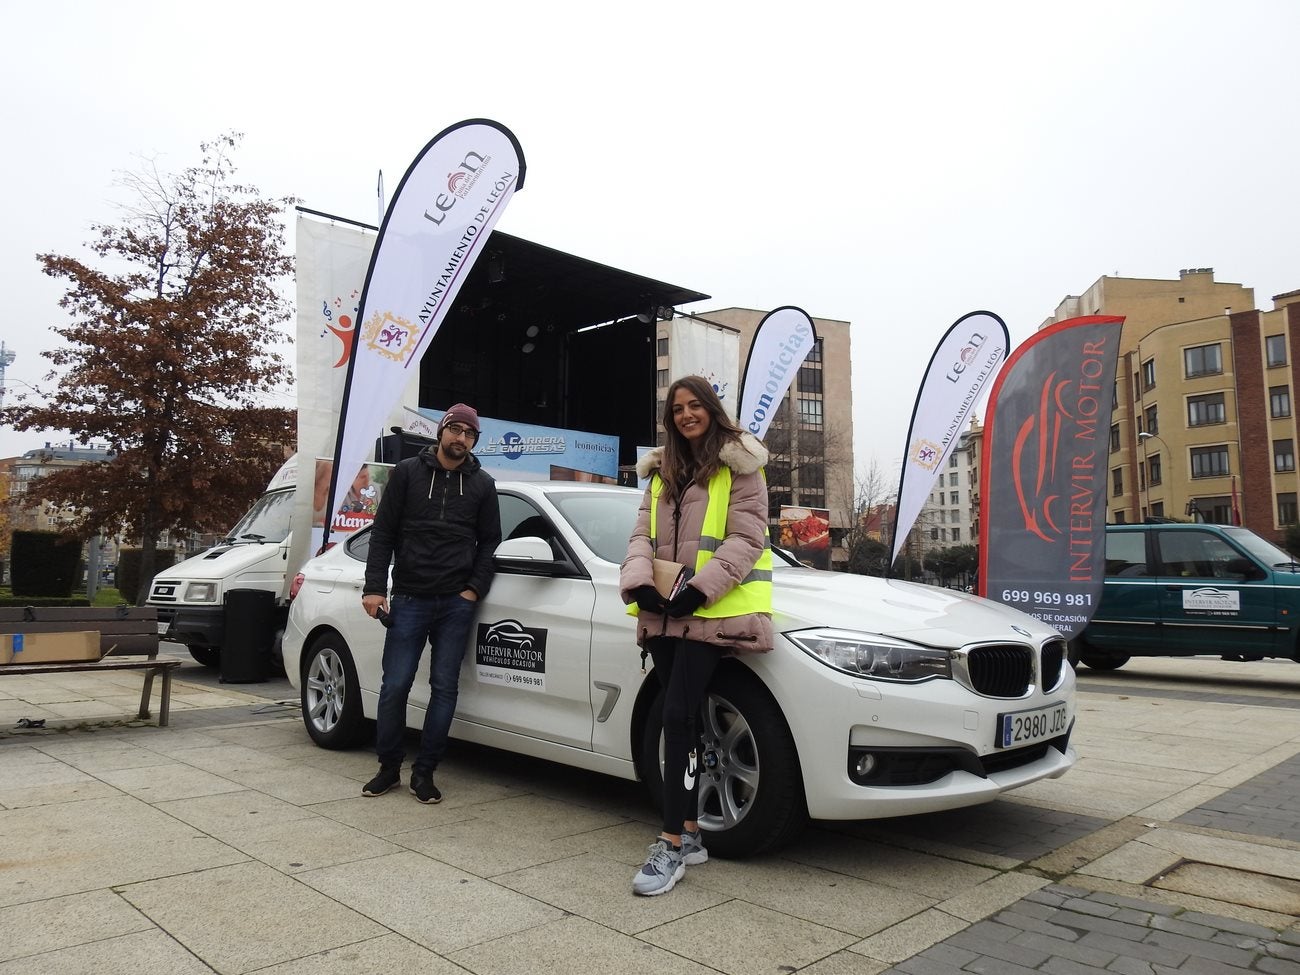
{"points": [[459, 430]]}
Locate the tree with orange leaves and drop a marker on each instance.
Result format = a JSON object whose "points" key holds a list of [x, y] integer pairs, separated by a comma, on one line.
{"points": [[170, 357]]}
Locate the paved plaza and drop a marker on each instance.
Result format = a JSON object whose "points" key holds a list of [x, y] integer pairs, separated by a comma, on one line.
{"points": [[229, 843]]}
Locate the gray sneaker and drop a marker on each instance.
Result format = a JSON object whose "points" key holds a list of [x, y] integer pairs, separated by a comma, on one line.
{"points": [[693, 851], [662, 869]]}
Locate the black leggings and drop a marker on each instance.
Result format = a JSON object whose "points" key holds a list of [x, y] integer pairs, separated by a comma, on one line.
{"points": [[684, 668]]}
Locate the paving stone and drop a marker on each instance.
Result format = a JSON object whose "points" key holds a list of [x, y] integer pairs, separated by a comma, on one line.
{"points": [[1064, 966], [1005, 951], [1200, 948], [1155, 954], [1277, 966], [1059, 948], [1130, 966]]}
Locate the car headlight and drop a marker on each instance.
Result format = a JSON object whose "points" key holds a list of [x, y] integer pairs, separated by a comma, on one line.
{"points": [[201, 592], [872, 655]]}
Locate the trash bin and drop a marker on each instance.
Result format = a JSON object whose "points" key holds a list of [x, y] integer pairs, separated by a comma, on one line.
{"points": [[250, 631]]}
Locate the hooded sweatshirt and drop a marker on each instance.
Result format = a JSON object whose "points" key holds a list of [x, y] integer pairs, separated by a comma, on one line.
{"points": [[438, 526]]}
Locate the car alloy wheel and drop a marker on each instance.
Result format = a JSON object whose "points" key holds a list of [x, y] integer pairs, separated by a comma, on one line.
{"points": [[331, 697], [751, 787]]}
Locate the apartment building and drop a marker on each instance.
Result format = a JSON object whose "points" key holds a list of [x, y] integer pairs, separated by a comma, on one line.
{"points": [[1203, 425]]}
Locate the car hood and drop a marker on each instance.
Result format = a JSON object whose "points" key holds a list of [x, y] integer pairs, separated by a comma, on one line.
{"points": [[922, 614]]}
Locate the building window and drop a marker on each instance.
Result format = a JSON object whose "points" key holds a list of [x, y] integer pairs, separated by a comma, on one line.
{"points": [[952, 497], [812, 476], [1157, 509], [810, 380], [810, 412], [1120, 517], [1275, 348], [1202, 360], [1210, 461], [661, 380], [952, 461], [1283, 455], [1114, 437], [952, 479], [1203, 410], [934, 534], [1279, 401], [1217, 511], [815, 354], [1148, 374], [1117, 482], [956, 534], [1286, 508], [1153, 469], [1153, 420], [1137, 386]]}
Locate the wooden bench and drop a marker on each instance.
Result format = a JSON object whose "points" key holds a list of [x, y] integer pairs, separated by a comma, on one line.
{"points": [[125, 631]]}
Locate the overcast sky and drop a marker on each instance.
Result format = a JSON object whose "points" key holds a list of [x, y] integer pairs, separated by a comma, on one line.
{"points": [[893, 165]]}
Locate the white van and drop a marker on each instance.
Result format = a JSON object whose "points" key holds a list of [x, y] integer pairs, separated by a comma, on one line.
{"points": [[254, 554]]}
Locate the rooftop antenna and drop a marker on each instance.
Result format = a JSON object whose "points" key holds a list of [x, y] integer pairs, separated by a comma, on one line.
{"points": [[6, 359]]}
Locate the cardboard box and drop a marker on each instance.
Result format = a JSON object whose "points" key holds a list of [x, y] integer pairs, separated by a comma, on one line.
{"points": [[42, 648]]}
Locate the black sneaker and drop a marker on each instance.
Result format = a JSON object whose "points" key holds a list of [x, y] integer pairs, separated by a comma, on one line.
{"points": [[385, 780], [422, 788]]}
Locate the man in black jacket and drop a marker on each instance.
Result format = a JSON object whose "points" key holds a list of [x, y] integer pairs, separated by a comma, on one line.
{"points": [[439, 515]]}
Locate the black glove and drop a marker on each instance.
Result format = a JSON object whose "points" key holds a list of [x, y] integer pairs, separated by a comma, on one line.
{"points": [[648, 598], [685, 602]]}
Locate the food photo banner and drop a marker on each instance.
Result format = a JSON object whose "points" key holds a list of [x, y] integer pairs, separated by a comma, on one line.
{"points": [[1044, 470], [437, 223], [967, 356]]}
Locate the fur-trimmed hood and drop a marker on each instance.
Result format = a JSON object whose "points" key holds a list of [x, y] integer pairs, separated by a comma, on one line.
{"points": [[744, 457]]}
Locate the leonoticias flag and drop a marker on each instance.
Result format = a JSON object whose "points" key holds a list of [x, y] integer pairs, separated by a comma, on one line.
{"points": [[436, 225], [782, 341], [965, 358], [1044, 471]]}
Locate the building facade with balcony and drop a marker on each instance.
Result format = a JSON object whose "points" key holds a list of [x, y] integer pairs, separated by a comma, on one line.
{"points": [[1203, 424]]}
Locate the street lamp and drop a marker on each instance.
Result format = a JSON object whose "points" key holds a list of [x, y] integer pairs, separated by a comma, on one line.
{"points": [[1143, 437]]}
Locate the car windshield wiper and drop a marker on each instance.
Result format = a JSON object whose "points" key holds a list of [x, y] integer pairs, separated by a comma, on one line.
{"points": [[250, 536]]}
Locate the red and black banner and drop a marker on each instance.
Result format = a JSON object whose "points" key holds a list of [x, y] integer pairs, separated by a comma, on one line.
{"points": [[1044, 471]]}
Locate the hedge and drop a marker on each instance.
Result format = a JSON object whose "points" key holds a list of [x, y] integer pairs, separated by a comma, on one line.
{"points": [[44, 564]]}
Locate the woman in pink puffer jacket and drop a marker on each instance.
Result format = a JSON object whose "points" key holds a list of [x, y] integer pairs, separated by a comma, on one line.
{"points": [[701, 440]]}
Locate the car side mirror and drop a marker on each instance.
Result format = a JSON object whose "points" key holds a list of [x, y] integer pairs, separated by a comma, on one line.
{"points": [[528, 548], [1244, 568], [530, 555]]}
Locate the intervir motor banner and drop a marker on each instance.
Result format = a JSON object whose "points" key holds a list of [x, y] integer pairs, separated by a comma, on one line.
{"points": [[1044, 470], [782, 341], [436, 225], [967, 355]]}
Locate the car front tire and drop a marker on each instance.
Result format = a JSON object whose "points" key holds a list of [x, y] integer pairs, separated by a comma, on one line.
{"points": [[1104, 661], [751, 785], [331, 694]]}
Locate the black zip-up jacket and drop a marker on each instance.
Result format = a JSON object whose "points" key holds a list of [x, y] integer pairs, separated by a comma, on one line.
{"points": [[442, 525]]}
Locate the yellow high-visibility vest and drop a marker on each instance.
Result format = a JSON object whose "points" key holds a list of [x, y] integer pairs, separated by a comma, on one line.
{"points": [[754, 594]]}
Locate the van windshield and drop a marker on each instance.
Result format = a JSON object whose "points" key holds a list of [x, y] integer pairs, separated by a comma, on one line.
{"points": [[1262, 549], [266, 521]]}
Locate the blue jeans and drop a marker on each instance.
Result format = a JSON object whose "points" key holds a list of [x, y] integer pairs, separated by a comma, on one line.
{"points": [[443, 622]]}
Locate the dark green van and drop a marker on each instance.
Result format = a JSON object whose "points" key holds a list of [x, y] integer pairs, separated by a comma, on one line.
{"points": [[1177, 590]]}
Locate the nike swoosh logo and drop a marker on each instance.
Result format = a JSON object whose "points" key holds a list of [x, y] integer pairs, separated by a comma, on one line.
{"points": [[689, 779]]}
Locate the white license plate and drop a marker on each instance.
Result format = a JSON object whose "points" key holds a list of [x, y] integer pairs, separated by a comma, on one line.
{"points": [[163, 628], [1026, 727]]}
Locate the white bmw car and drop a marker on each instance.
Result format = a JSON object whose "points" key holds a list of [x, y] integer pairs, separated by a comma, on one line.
{"points": [[881, 698]]}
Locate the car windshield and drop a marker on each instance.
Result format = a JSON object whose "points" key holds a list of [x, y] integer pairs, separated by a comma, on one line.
{"points": [[1264, 550], [604, 520], [266, 521]]}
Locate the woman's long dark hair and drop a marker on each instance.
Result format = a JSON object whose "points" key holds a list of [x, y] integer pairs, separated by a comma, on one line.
{"points": [[680, 464]]}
